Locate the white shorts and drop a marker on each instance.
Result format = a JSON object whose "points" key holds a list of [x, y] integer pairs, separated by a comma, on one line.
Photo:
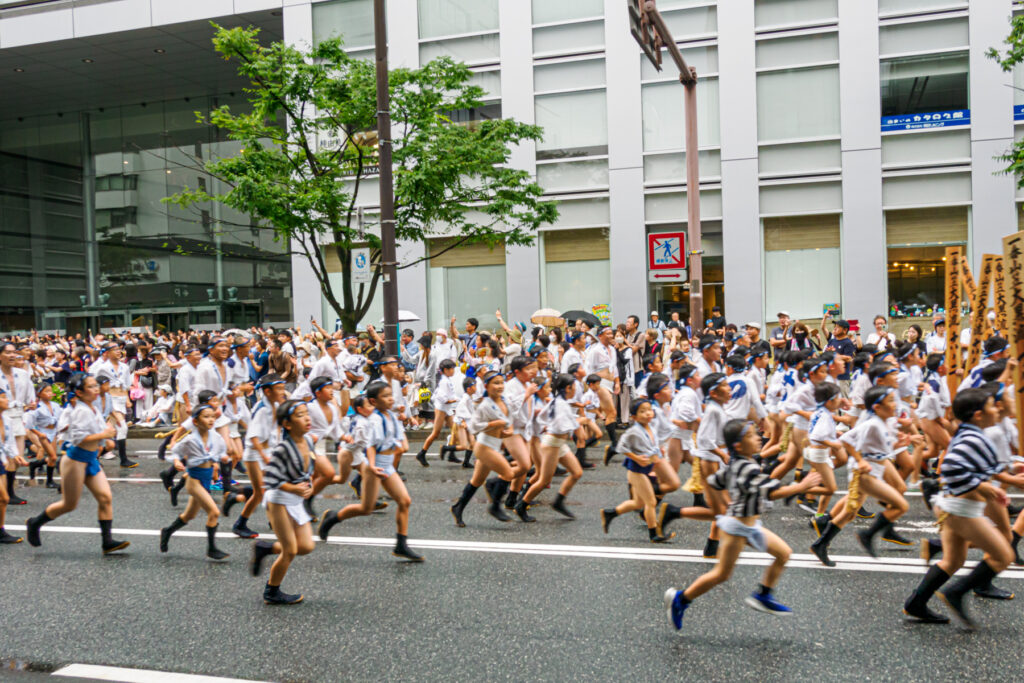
{"points": [[685, 437], [961, 507], [709, 456], [552, 441], [818, 455], [120, 404], [291, 502], [445, 408], [357, 458], [877, 469], [252, 455], [14, 418], [734, 527], [608, 384], [492, 442], [320, 447]]}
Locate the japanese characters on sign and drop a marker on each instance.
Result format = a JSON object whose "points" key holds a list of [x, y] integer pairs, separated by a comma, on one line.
{"points": [[954, 276], [939, 119], [999, 294], [1013, 266], [979, 309]]}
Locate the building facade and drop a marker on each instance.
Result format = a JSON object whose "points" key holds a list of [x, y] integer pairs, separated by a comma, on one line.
{"points": [[843, 145]]}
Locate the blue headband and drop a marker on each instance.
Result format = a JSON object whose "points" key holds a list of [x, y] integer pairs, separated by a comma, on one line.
{"points": [[200, 408], [888, 390], [886, 373], [909, 349], [635, 408], [743, 432]]}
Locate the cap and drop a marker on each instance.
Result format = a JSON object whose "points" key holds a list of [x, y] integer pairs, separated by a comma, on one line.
{"points": [[166, 388], [783, 313], [653, 313], [939, 321], [756, 325], [843, 323], [441, 333]]}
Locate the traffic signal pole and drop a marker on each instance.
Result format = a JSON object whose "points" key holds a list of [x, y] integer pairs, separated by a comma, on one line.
{"points": [[650, 31]]}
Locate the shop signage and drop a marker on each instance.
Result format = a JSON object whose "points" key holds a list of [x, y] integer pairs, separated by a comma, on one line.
{"points": [[938, 119], [360, 266]]}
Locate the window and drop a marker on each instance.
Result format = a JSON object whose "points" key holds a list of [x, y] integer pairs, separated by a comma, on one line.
{"points": [[923, 36], [891, 7], [768, 13], [575, 124], [569, 38], [439, 18], [926, 189], [802, 264], [350, 19], [925, 85], [927, 149], [797, 104], [548, 12], [917, 241], [687, 24], [117, 182], [466, 281], [576, 269]]}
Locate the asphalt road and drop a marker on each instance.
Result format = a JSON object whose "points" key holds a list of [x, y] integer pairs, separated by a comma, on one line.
{"points": [[553, 600]]}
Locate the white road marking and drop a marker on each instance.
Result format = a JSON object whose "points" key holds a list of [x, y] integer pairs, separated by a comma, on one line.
{"points": [[862, 563], [124, 675]]}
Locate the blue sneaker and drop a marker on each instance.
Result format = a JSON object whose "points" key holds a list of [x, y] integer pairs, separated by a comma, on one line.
{"points": [[768, 605], [675, 607], [216, 486]]}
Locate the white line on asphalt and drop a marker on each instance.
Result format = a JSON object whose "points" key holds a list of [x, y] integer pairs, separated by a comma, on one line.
{"points": [[116, 673], [897, 565]]}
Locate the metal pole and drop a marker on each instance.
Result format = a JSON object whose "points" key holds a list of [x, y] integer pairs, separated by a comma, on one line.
{"points": [[693, 203], [92, 259], [387, 196]]}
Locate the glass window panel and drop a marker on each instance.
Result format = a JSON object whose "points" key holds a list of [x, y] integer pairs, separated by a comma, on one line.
{"points": [[473, 50], [665, 120], [573, 175], [550, 11], [671, 206], [925, 190], [577, 284], [672, 167], [350, 19], [920, 85], [923, 36], [475, 291], [819, 47], [569, 38], [808, 198], [703, 59], [798, 103], [787, 274], [569, 75], [898, 6], [805, 157], [685, 23], [926, 147], [490, 81], [583, 213], [1018, 84], [454, 17], [786, 12], [575, 124]]}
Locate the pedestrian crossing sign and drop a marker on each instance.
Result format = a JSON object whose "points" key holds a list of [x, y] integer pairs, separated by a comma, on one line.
{"points": [[666, 250]]}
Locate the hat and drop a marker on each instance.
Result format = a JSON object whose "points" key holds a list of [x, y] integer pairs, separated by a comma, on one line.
{"points": [[166, 388], [441, 333], [842, 323], [654, 313], [755, 325], [940, 321], [783, 313]]}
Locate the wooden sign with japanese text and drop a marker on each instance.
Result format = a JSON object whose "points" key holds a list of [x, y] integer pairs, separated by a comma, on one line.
{"points": [[999, 296], [979, 309], [954, 282], [966, 278], [1013, 267]]}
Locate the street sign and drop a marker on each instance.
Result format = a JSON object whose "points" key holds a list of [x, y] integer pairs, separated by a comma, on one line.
{"points": [[643, 31], [666, 251], [360, 266], [667, 276]]}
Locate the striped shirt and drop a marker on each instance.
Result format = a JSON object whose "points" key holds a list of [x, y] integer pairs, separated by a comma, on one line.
{"points": [[748, 486], [286, 464], [970, 461]]}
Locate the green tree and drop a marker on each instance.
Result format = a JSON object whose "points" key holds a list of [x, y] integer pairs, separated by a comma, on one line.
{"points": [[1013, 55], [309, 141]]}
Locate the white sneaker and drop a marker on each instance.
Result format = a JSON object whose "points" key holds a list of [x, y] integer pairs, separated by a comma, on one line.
{"points": [[108, 456]]}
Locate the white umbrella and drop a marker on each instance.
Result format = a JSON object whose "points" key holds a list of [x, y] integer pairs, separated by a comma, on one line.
{"points": [[548, 317], [405, 317]]}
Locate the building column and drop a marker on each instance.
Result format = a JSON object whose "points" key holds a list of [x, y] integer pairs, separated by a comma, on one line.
{"points": [[741, 223], [993, 213], [522, 264], [864, 278], [627, 238]]}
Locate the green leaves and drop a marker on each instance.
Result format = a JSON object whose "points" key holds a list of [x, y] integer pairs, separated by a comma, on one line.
{"points": [[309, 138], [1014, 55]]}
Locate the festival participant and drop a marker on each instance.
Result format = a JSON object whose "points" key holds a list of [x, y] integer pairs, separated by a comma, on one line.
{"points": [[326, 425], [445, 399], [120, 376], [41, 426], [200, 453], [748, 488], [601, 360], [260, 439], [17, 384], [7, 449], [86, 433]]}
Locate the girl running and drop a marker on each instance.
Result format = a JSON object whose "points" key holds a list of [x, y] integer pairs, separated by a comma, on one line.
{"points": [[200, 454], [86, 434], [260, 438], [748, 490], [7, 450]]}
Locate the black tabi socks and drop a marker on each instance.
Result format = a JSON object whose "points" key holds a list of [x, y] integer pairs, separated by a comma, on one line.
{"points": [[33, 526], [110, 544], [212, 551], [403, 550], [168, 531]]}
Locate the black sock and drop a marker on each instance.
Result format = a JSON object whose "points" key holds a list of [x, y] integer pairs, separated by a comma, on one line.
{"points": [[161, 450], [10, 483], [122, 450], [225, 478], [610, 513], [242, 521], [590, 442], [879, 525], [467, 493], [830, 532], [247, 491], [49, 474], [211, 533], [177, 524], [656, 486], [500, 489], [1015, 542], [652, 532], [931, 582], [105, 525], [610, 428], [41, 519], [981, 575], [180, 485], [763, 590]]}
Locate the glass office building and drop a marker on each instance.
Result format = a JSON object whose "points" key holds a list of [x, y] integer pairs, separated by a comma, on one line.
{"points": [[85, 162]]}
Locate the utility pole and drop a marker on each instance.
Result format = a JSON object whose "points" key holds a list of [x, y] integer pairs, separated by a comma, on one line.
{"points": [[650, 31], [387, 192]]}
